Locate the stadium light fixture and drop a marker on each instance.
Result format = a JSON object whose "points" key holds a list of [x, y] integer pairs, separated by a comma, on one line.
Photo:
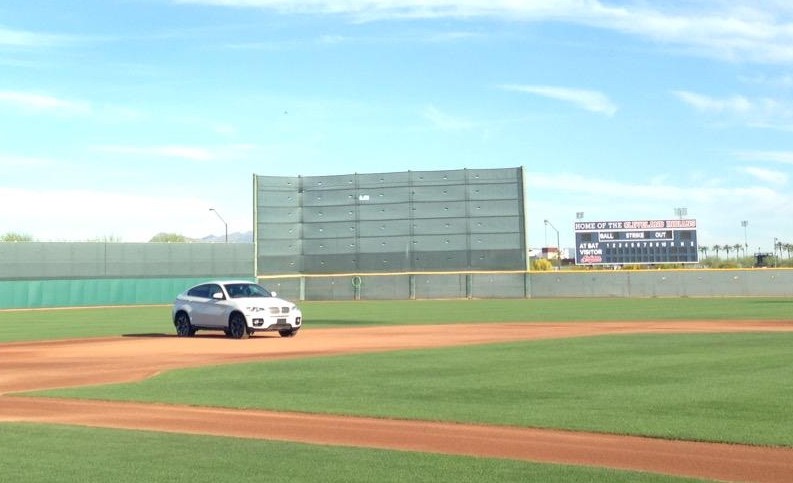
{"points": [[558, 247], [224, 223]]}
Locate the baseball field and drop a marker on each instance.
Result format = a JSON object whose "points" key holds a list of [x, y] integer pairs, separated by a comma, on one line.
{"points": [[464, 390]]}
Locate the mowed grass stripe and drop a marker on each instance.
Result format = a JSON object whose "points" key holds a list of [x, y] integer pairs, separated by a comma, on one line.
{"points": [[709, 387], [25, 325], [60, 453]]}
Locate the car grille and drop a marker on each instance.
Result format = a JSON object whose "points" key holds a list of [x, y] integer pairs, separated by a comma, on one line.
{"points": [[279, 310]]}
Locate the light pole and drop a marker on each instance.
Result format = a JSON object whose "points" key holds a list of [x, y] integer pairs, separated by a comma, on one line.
{"points": [[558, 249], [744, 224], [681, 212], [224, 223]]}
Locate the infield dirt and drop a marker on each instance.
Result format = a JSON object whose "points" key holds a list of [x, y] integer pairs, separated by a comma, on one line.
{"points": [[52, 364]]}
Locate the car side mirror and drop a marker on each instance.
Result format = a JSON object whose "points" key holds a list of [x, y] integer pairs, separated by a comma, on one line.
{"points": [[217, 295], [273, 294]]}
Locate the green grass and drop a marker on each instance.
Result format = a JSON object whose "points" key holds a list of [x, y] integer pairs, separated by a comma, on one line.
{"points": [[720, 387], [60, 453], [545, 310], [26, 325], [714, 387]]}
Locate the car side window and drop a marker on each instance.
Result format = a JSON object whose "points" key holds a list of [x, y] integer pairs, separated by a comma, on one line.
{"points": [[215, 289], [200, 291], [235, 290]]}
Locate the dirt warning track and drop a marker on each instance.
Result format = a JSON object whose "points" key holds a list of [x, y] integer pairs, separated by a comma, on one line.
{"points": [[51, 364]]}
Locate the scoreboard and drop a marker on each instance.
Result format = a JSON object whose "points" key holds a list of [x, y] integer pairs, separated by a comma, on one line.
{"points": [[636, 242]]}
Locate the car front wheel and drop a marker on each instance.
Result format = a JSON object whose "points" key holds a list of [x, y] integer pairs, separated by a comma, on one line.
{"points": [[183, 326], [238, 329], [287, 332]]}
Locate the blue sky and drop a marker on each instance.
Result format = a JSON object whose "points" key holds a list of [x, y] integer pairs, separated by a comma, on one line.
{"points": [[123, 119]]}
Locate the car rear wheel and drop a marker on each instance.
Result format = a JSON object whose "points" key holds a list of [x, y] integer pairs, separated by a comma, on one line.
{"points": [[183, 326], [238, 329]]}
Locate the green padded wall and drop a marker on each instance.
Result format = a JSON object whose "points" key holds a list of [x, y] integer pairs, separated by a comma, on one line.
{"points": [[59, 274]]}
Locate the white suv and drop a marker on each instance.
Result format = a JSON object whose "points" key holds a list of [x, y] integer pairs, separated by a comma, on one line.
{"points": [[238, 308]]}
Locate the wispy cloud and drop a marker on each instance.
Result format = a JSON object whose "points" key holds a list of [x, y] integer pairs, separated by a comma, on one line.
{"points": [[757, 112], [586, 99], [704, 103], [189, 153], [781, 81], [784, 157], [765, 175], [45, 104], [454, 36], [444, 121], [8, 161], [739, 30], [27, 39], [40, 102]]}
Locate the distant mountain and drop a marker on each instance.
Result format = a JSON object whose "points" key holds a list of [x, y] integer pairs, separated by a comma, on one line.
{"points": [[236, 237]]}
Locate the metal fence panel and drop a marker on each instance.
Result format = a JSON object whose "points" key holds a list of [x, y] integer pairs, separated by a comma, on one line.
{"points": [[423, 194], [382, 228], [479, 192], [375, 180], [321, 183], [384, 244], [281, 263], [276, 214], [282, 231], [329, 288], [451, 286], [395, 212], [498, 286]]}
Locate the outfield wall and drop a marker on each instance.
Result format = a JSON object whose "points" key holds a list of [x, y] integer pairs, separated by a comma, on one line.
{"points": [[40, 275], [628, 283], [667, 283], [59, 274], [757, 282]]}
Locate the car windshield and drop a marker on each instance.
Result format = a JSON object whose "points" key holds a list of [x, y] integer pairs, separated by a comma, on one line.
{"points": [[240, 290]]}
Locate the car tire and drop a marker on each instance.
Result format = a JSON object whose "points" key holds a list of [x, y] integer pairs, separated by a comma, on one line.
{"points": [[287, 332], [238, 328], [183, 326]]}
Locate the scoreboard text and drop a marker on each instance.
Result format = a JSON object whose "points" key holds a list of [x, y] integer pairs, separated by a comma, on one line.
{"points": [[636, 242]]}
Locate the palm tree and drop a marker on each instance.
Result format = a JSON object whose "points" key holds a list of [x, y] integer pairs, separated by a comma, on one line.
{"points": [[737, 247], [704, 251], [788, 248], [716, 249], [727, 249]]}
